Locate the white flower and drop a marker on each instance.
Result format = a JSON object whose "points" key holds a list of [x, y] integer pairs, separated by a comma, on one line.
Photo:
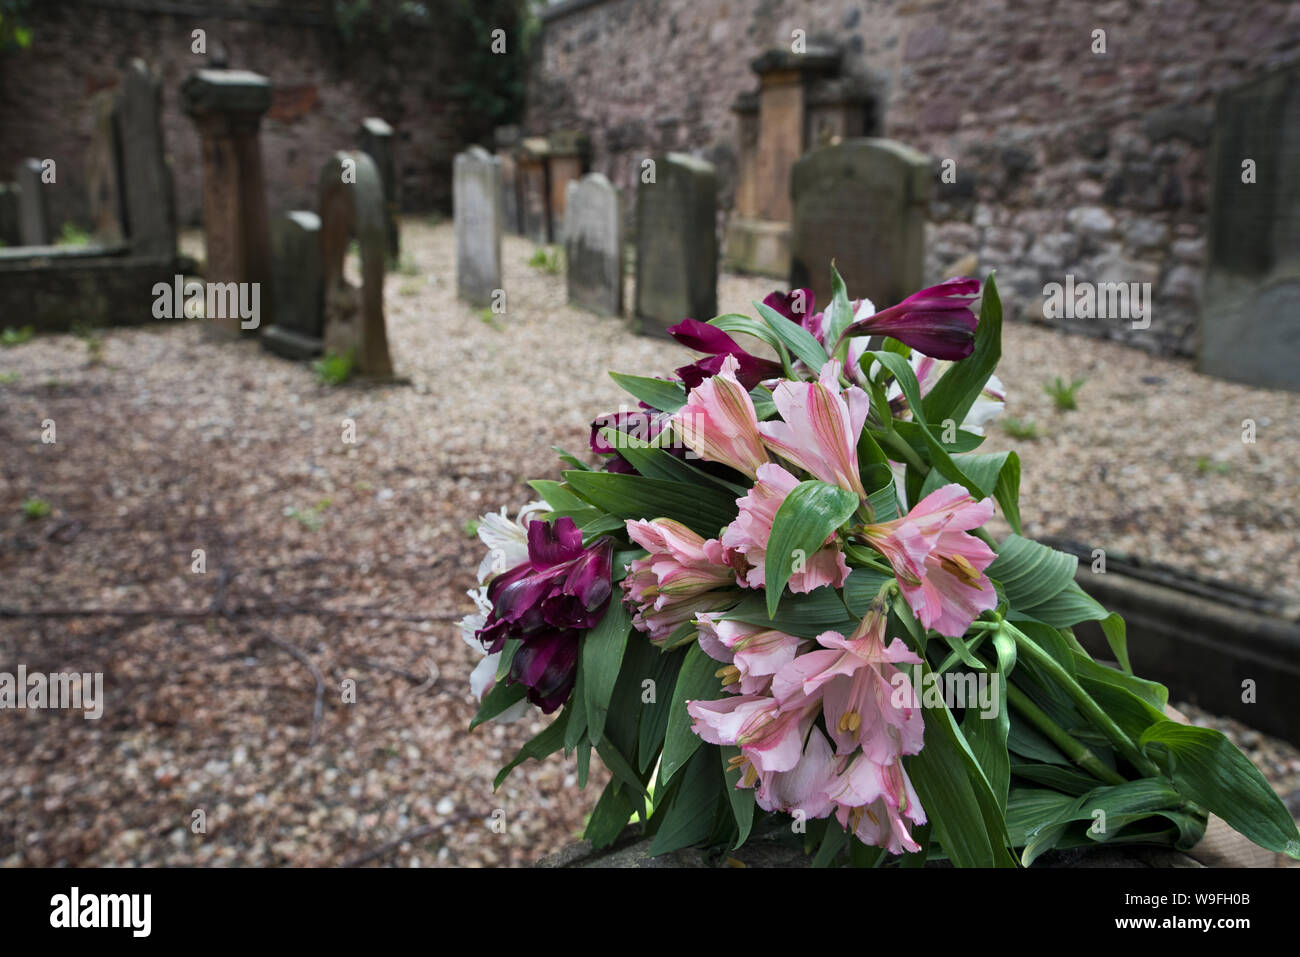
{"points": [[506, 541], [483, 677], [507, 544], [987, 407]]}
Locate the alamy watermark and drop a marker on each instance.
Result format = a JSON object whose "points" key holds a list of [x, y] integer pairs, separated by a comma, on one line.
{"points": [[1101, 300], [58, 690], [192, 299], [955, 689]]}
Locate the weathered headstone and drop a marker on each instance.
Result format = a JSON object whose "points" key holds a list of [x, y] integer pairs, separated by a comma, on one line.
{"points": [[862, 203], [352, 204], [593, 245], [507, 142], [534, 190], [676, 244], [10, 235], [227, 108], [146, 176], [1250, 312], [104, 172], [299, 287], [476, 205], [375, 137], [33, 204]]}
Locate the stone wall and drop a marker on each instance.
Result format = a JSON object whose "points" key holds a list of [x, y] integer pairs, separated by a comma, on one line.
{"points": [[323, 88], [1067, 161]]}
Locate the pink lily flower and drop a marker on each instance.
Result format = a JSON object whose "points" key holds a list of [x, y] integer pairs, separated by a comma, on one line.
{"points": [[855, 679], [754, 653], [771, 735], [745, 540], [822, 423], [805, 787], [940, 567], [719, 423], [875, 802], [678, 579]]}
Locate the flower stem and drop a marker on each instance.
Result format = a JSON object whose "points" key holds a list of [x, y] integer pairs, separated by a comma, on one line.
{"points": [[896, 444], [1028, 648], [1075, 751]]}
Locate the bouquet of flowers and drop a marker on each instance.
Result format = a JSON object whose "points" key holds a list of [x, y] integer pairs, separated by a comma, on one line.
{"points": [[774, 607]]}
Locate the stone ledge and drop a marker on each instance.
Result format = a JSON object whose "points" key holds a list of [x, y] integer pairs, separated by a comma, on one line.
{"points": [[632, 851]]}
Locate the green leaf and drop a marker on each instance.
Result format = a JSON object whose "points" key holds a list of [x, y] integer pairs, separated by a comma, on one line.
{"points": [[691, 814], [1073, 605], [957, 796], [832, 843], [839, 314], [955, 393], [1031, 573], [997, 474], [570, 459], [695, 681], [654, 714], [656, 393], [1065, 780], [557, 496], [576, 730], [583, 763], [602, 654], [809, 515], [746, 325], [1029, 810], [507, 656], [764, 404], [1119, 805], [987, 734], [1207, 769], [801, 343], [546, 743], [501, 697], [938, 454], [703, 510], [620, 766], [654, 462], [742, 799], [964, 442], [610, 816]]}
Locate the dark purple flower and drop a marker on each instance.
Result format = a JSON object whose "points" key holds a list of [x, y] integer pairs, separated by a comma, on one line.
{"points": [[547, 664], [937, 321], [547, 602], [798, 306], [703, 337], [637, 424]]}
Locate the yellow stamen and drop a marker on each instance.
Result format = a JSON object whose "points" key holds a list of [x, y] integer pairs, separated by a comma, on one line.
{"points": [[850, 721], [751, 775], [729, 675], [963, 569], [737, 761]]}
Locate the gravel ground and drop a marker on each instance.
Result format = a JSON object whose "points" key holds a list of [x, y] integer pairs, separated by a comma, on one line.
{"points": [[328, 561]]}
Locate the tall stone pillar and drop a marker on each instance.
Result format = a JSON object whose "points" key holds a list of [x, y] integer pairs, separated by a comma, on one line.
{"points": [[227, 107], [774, 134]]}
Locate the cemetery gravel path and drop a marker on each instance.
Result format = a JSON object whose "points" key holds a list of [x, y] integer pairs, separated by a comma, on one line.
{"points": [[328, 561]]}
